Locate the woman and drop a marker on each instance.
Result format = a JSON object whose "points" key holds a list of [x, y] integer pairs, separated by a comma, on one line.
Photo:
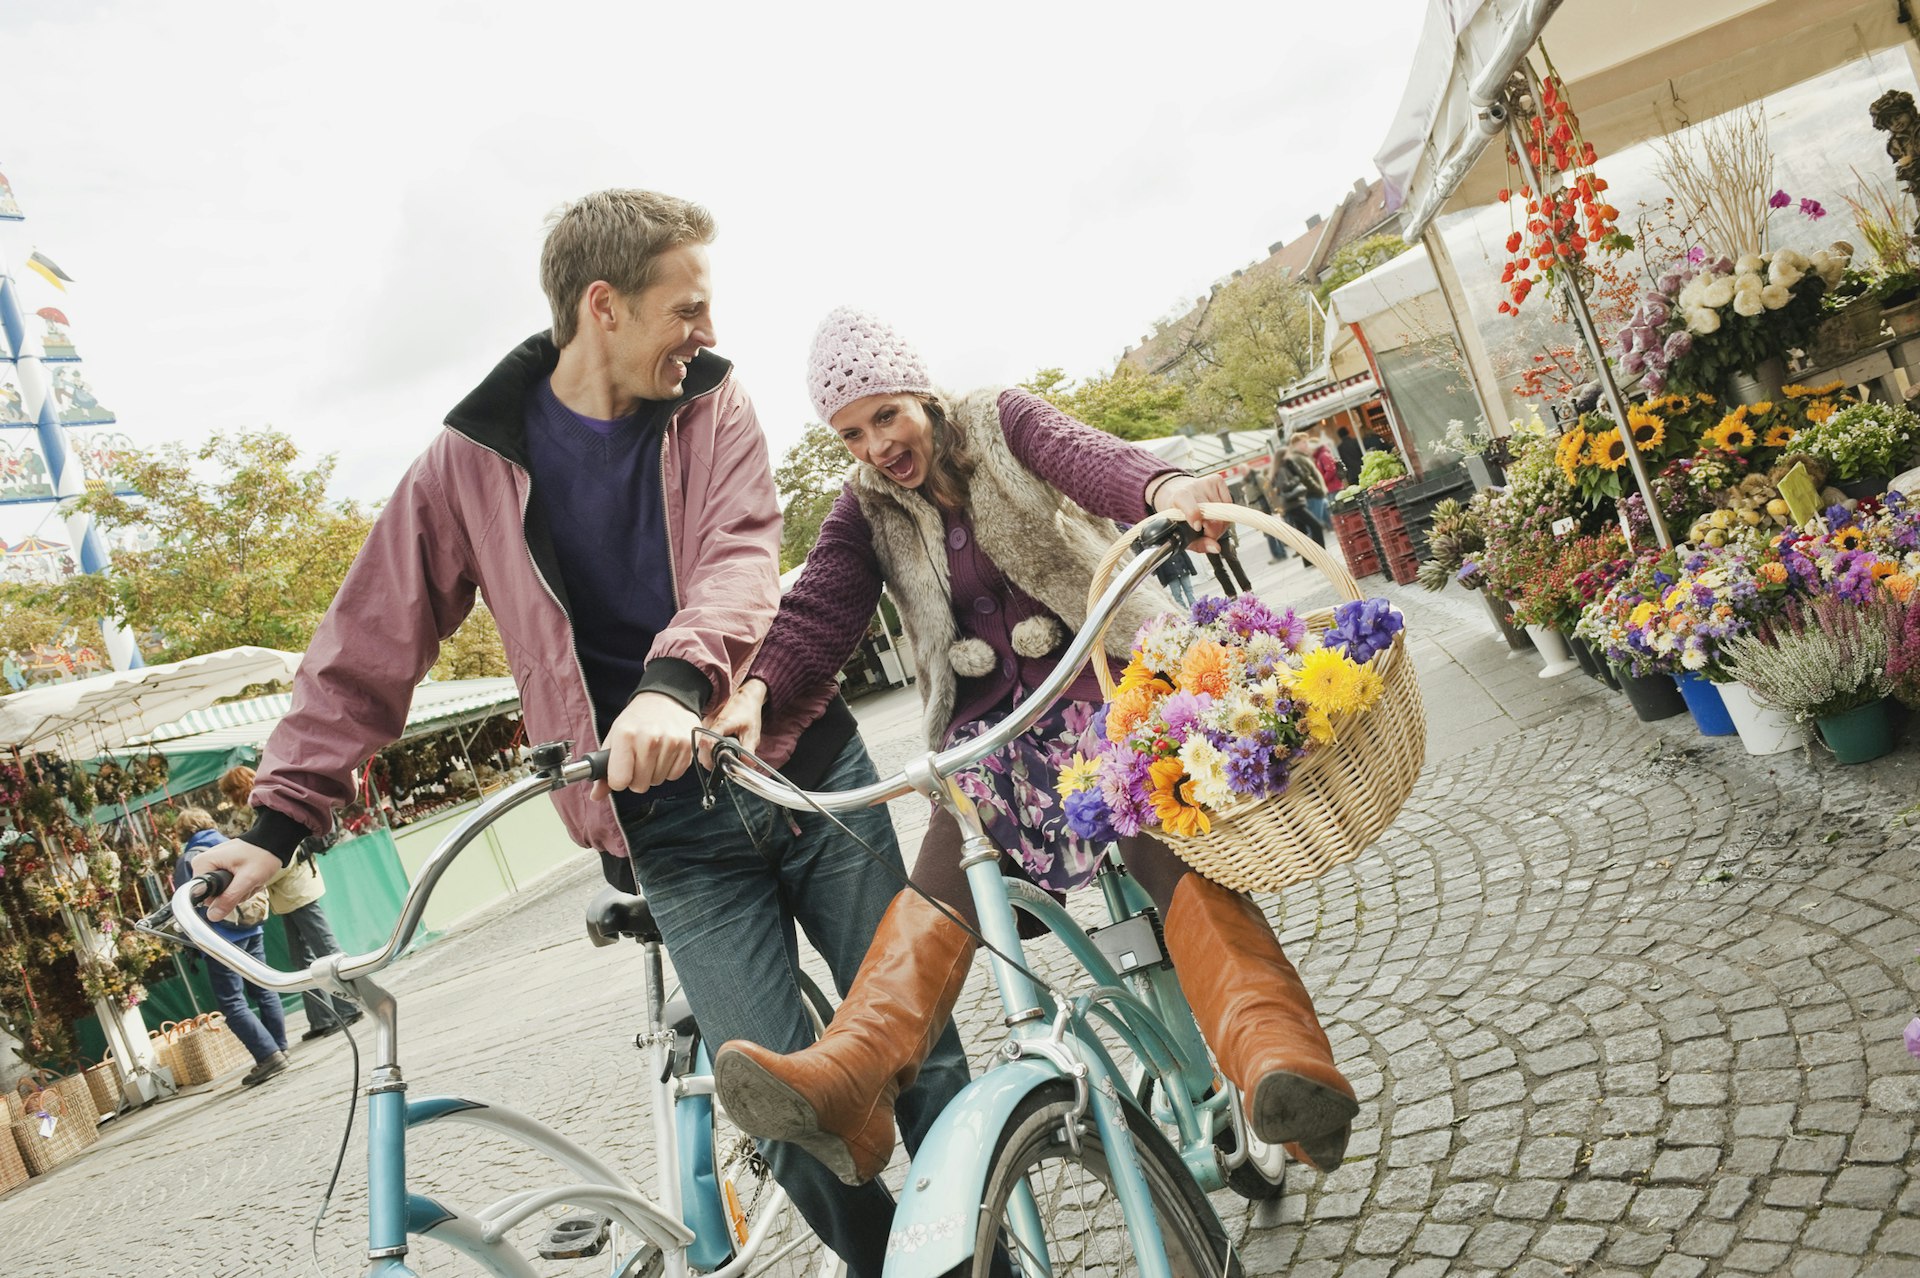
{"points": [[984, 516], [263, 1035]]}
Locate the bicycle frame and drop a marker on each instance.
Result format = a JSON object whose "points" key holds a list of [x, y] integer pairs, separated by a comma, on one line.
{"points": [[393, 1212]]}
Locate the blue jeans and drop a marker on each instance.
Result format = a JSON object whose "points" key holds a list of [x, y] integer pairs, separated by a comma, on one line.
{"points": [[728, 888], [310, 936], [261, 1035]]}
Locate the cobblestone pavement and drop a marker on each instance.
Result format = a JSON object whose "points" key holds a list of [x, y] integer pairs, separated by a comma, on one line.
{"points": [[1617, 999]]}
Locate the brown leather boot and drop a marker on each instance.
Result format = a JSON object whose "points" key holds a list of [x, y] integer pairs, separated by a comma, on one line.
{"points": [[1254, 1012], [835, 1098]]}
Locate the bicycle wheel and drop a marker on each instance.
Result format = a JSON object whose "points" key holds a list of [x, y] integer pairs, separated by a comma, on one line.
{"points": [[1083, 1230], [746, 1179]]}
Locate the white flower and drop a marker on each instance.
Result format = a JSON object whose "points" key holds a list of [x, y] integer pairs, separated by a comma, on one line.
{"points": [[1718, 293], [1208, 769], [1775, 296], [1784, 273], [1798, 261], [1749, 264], [1748, 302], [1744, 283], [1689, 297], [1703, 321], [1693, 658]]}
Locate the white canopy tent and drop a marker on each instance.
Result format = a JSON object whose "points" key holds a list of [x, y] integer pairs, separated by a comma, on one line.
{"points": [[1634, 69], [87, 716]]}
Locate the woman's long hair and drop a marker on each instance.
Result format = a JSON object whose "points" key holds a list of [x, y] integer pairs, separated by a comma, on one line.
{"points": [[950, 469]]}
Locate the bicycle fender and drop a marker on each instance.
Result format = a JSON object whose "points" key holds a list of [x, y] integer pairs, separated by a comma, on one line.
{"points": [[938, 1215]]}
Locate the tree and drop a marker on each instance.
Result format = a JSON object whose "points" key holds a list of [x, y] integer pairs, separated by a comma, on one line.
{"points": [[1257, 340], [1356, 259], [27, 619], [252, 553], [808, 478], [474, 651], [1127, 402]]}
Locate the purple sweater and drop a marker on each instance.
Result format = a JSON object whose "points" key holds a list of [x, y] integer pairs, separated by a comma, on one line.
{"points": [[824, 616]]}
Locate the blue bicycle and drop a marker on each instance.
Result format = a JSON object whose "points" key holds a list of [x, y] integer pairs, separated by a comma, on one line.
{"points": [[716, 1209], [1058, 1156]]}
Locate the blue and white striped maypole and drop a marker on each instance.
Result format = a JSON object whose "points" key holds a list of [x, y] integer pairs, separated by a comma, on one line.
{"points": [[63, 467]]}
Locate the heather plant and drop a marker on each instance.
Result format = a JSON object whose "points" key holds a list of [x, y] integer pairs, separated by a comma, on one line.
{"points": [[1821, 657]]}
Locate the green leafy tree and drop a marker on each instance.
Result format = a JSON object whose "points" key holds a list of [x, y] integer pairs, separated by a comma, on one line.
{"points": [[808, 478], [1256, 341], [1356, 259], [1127, 402], [247, 547], [474, 651]]}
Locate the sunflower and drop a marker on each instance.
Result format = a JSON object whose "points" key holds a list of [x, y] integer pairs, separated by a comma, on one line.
{"points": [[1733, 433], [1649, 428], [1173, 800], [1608, 450], [1883, 569], [1778, 435], [1820, 409], [1571, 451], [1137, 675], [1849, 539]]}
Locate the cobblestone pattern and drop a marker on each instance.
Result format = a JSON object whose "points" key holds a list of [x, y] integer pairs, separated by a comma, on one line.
{"points": [[1617, 1000]]}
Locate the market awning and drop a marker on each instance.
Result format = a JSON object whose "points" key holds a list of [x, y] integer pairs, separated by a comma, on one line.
{"points": [[84, 716], [1634, 69], [251, 722], [1324, 401]]}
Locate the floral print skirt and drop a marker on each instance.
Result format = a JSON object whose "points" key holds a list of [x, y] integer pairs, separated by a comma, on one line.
{"points": [[1019, 804]]}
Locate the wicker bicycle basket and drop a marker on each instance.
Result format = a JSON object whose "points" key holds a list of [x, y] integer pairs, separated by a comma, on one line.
{"points": [[1342, 795]]}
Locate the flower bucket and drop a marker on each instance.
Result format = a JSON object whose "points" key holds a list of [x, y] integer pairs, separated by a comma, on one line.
{"points": [[1502, 617], [1583, 655], [1764, 380], [1865, 486], [1859, 735], [1703, 701], [1653, 697], [1553, 649], [1762, 729]]}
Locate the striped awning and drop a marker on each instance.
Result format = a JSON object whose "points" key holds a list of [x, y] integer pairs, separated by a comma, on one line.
{"points": [[252, 721]]}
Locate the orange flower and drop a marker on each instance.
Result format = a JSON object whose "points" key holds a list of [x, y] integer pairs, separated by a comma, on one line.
{"points": [[1900, 585], [1137, 675], [1208, 668], [1173, 800], [1772, 573], [1130, 709], [1883, 569]]}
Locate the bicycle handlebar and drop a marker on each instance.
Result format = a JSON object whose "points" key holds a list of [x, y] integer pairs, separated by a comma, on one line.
{"points": [[1158, 538], [555, 771]]}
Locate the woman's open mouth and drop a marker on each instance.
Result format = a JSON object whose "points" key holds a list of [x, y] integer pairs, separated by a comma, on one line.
{"points": [[901, 467]]}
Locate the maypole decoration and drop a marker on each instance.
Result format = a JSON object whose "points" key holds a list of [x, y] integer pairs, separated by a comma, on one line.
{"points": [[51, 405]]}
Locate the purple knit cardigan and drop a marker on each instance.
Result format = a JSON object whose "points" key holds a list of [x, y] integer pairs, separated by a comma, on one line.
{"points": [[824, 616]]}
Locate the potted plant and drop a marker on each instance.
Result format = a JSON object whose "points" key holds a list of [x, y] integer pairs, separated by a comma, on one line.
{"points": [[1825, 662], [1622, 623], [1863, 445]]}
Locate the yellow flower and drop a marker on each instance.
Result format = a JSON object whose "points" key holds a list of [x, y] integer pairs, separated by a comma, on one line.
{"points": [[1608, 450], [1820, 409], [1849, 539], [1733, 433], [1319, 725], [1778, 436], [1329, 681], [1638, 618], [1081, 774], [1173, 800], [1649, 428], [1571, 451]]}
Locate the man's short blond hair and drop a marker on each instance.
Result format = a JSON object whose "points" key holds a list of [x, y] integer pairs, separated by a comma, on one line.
{"points": [[192, 821], [616, 236]]}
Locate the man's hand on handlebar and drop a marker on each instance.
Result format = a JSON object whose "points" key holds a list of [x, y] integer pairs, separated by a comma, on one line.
{"points": [[739, 718], [250, 866], [650, 744], [1182, 495]]}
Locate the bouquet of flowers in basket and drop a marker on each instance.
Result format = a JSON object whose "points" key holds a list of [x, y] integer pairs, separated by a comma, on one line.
{"points": [[1216, 707], [1855, 554]]}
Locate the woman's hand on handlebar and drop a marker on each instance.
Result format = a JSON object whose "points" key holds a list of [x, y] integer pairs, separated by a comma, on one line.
{"points": [[250, 866], [1182, 496], [739, 718]]}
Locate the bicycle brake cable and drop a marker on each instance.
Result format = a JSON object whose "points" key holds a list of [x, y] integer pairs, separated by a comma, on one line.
{"points": [[707, 780], [340, 1160]]}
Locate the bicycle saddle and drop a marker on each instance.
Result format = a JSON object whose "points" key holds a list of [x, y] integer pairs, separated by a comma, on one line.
{"points": [[613, 914]]}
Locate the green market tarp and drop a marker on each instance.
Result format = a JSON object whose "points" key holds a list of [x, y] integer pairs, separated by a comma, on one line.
{"points": [[185, 773]]}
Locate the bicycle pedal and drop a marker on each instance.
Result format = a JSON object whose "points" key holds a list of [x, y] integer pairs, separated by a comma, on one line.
{"points": [[575, 1238]]}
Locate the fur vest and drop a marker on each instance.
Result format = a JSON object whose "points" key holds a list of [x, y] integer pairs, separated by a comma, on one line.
{"points": [[1043, 542]]}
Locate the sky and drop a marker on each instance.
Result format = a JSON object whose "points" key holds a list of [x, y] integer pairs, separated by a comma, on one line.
{"points": [[327, 218]]}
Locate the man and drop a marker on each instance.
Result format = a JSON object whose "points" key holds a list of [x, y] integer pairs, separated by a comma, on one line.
{"points": [[607, 488], [1350, 454]]}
